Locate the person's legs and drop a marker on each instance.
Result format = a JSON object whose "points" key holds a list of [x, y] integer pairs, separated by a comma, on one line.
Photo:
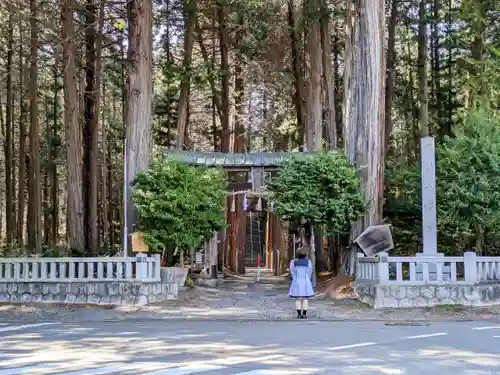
{"points": [[305, 305], [298, 306]]}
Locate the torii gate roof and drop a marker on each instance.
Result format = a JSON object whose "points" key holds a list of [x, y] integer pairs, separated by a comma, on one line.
{"points": [[234, 161]]}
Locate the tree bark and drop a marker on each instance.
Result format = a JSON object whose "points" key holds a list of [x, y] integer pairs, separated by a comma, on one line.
{"points": [[210, 65], [34, 181], [74, 154], [328, 79], [238, 146], [436, 66], [10, 215], [189, 29], [54, 180], [391, 64], [364, 108], [314, 134], [106, 199], [139, 96], [90, 133], [226, 75], [423, 89], [337, 87], [297, 70], [22, 145]]}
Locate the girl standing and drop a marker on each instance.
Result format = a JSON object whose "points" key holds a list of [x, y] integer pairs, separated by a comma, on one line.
{"points": [[301, 288]]}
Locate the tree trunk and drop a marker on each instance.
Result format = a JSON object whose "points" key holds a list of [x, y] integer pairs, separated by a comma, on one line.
{"points": [[391, 64], [22, 145], [226, 74], [423, 90], [297, 71], [54, 180], [478, 27], [106, 200], [45, 172], [328, 79], [211, 68], [436, 66], [314, 134], [337, 86], [34, 181], [10, 215], [238, 146], [139, 96], [74, 154], [189, 29], [90, 134], [364, 109]]}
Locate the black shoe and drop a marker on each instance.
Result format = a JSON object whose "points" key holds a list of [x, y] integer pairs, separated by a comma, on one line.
{"points": [[299, 314], [304, 314]]}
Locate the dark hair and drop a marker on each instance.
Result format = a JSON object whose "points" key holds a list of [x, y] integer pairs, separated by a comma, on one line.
{"points": [[301, 254]]}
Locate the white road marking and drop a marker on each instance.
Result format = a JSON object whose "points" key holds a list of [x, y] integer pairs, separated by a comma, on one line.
{"points": [[25, 326], [26, 370], [497, 337], [111, 369], [179, 369], [483, 328], [424, 336], [186, 370], [268, 372], [353, 346]]}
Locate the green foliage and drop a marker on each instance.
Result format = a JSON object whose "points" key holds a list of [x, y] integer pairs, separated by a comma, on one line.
{"points": [[179, 206], [468, 197], [322, 188]]}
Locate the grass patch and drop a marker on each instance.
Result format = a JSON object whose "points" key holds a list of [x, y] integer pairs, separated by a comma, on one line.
{"points": [[449, 308]]}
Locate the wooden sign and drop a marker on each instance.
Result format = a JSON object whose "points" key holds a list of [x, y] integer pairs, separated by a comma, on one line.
{"points": [[138, 245]]}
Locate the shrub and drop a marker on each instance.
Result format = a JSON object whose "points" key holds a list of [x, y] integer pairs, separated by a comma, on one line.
{"points": [[179, 206], [322, 188]]}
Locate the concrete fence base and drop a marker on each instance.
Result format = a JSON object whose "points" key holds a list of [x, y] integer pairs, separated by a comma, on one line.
{"points": [[96, 292], [400, 296]]}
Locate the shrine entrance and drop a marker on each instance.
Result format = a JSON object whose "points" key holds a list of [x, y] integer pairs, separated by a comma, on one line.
{"points": [[253, 229]]}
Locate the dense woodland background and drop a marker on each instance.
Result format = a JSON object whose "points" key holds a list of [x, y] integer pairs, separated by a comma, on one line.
{"points": [[228, 75]]}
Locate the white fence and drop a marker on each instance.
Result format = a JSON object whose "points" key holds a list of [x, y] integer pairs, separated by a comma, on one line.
{"points": [[138, 268], [468, 269]]}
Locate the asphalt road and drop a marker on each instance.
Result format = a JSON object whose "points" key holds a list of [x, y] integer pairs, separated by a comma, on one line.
{"points": [[249, 348]]}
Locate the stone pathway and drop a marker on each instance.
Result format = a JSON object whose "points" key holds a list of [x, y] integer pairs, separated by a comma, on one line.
{"points": [[242, 300]]}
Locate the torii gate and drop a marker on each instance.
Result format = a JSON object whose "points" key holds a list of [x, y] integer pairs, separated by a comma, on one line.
{"points": [[228, 249]]}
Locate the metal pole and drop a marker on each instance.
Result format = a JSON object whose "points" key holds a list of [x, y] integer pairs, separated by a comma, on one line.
{"points": [[125, 200]]}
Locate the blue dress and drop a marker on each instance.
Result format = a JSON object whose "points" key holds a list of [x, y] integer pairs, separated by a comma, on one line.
{"points": [[301, 287]]}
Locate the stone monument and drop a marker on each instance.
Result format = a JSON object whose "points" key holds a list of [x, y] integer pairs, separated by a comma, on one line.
{"points": [[429, 212]]}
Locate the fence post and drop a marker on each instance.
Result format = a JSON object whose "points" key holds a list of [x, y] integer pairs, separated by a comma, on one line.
{"points": [[470, 267], [141, 267], [157, 267], [383, 267], [360, 272]]}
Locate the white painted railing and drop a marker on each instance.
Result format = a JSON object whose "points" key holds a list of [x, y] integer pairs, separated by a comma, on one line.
{"points": [[468, 269], [488, 268], [368, 268], [138, 268]]}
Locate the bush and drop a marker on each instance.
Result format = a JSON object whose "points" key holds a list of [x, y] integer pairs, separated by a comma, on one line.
{"points": [[179, 206], [467, 182], [322, 188]]}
